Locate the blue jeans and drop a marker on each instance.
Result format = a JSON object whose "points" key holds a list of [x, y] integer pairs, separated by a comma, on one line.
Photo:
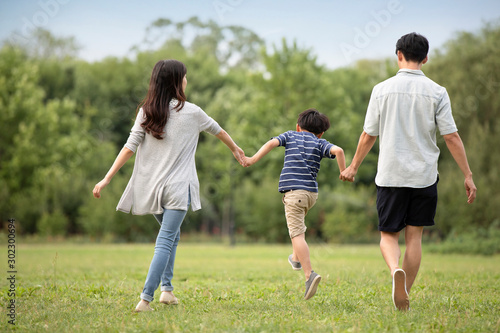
{"points": [[162, 265]]}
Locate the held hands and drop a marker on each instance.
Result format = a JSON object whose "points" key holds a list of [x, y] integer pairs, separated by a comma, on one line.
{"points": [[244, 161], [248, 161], [348, 174], [239, 155]]}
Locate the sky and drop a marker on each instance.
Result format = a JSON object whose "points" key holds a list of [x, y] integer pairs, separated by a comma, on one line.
{"points": [[338, 32]]}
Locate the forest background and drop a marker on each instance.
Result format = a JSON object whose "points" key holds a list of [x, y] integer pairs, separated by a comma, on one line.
{"points": [[63, 121]]}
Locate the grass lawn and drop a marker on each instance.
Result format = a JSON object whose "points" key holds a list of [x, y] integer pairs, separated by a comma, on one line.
{"points": [[247, 288]]}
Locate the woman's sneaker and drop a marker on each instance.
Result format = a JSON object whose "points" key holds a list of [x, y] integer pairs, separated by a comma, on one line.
{"points": [[143, 306], [168, 298]]}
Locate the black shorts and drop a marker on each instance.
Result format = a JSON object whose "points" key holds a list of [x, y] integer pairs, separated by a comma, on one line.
{"points": [[401, 206]]}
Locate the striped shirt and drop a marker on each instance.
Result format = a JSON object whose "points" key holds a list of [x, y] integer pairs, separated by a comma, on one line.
{"points": [[303, 154]]}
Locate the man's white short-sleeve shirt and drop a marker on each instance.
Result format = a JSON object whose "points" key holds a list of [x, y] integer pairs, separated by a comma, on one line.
{"points": [[405, 111]]}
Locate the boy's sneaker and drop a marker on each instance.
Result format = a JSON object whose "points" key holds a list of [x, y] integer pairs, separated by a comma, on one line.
{"points": [[399, 293], [312, 285], [296, 266]]}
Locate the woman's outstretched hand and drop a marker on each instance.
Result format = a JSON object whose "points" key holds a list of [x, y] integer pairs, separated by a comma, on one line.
{"points": [[98, 187]]}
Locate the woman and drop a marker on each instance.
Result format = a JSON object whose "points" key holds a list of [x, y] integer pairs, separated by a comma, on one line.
{"points": [[164, 181]]}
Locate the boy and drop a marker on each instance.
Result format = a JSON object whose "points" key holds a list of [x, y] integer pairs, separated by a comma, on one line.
{"points": [[304, 150]]}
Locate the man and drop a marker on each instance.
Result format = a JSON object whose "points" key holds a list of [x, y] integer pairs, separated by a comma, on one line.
{"points": [[405, 112]]}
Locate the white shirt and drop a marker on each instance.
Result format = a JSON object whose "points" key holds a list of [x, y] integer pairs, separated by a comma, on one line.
{"points": [[405, 112], [164, 170]]}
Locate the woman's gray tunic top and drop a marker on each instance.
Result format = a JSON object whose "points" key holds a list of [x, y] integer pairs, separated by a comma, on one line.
{"points": [[165, 170]]}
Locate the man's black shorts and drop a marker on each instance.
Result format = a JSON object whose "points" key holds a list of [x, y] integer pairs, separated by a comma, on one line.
{"points": [[401, 206]]}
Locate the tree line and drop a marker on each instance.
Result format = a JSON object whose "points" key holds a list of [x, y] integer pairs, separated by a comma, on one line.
{"points": [[64, 119]]}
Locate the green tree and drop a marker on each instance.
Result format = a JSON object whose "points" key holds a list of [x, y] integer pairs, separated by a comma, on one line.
{"points": [[42, 44], [45, 148], [232, 46], [64, 120], [470, 70]]}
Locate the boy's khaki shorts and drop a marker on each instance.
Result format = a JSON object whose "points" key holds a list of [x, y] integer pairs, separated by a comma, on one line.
{"points": [[297, 204]]}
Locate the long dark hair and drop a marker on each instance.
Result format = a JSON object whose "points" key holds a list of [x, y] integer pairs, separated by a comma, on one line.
{"points": [[165, 84]]}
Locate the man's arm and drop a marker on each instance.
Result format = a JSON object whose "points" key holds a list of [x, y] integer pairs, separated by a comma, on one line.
{"points": [[365, 144], [457, 150], [263, 151]]}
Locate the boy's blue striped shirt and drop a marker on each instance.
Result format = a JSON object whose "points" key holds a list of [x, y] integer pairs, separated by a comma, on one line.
{"points": [[303, 154]]}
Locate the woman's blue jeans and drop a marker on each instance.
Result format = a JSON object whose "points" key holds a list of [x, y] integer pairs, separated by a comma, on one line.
{"points": [[162, 265]]}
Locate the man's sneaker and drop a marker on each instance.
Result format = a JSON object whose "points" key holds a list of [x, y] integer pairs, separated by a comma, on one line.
{"points": [[399, 293], [312, 285], [295, 264]]}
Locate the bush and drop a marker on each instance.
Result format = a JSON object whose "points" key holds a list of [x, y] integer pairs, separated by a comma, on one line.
{"points": [[260, 212], [100, 220], [53, 224], [353, 215], [481, 241]]}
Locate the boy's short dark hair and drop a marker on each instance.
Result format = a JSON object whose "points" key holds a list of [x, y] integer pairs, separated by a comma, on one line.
{"points": [[413, 46], [313, 121]]}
